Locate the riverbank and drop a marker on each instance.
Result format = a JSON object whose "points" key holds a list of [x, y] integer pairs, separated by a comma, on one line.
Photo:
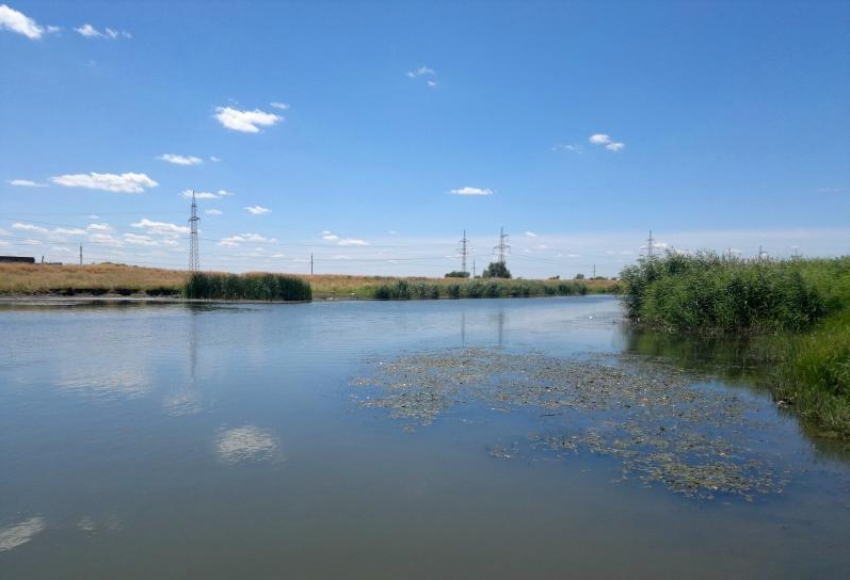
{"points": [[119, 281], [797, 313]]}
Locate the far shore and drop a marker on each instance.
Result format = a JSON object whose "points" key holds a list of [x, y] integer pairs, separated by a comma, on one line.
{"points": [[35, 283]]}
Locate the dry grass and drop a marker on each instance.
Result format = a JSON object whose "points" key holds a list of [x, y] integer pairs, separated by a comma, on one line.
{"points": [[122, 279], [97, 278]]}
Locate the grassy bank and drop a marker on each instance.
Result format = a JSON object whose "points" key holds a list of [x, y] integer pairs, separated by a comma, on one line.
{"points": [[36, 280], [798, 311]]}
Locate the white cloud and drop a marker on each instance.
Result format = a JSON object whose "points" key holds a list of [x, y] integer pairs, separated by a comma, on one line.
{"points": [[326, 235], [140, 240], [429, 75], [257, 210], [531, 234], [421, 71], [212, 212], [603, 139], [567, 147], [281, 106], [105, 239], [352, 242], [242, 238], [471, 191], [99, 228], [90, 31], [70, 232], [214, 159], [180, 159], [29, 228], [15, 21], [245, 121], [25, 183], [160, 228], [206, 194], [198, 194], [123, 183]]}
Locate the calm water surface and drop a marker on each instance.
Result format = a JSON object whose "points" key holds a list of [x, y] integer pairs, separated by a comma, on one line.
{"points": [[232, 442]]}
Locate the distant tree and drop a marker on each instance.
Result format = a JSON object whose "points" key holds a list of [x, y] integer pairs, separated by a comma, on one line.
{"points": [[496, 270], [457, 274], [579, 277], [558, 277]]}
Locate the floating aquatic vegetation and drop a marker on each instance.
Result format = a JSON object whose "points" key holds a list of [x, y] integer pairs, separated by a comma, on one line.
{"points": [[655, 418]]}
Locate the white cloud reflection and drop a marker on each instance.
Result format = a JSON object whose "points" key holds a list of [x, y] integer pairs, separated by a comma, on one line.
{"points": [[248, 443], [20, 533]]}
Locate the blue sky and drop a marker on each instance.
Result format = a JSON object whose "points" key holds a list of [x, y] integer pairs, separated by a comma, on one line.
{"points": [[375, 133]]}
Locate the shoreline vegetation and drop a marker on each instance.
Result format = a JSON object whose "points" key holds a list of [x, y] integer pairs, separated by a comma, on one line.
{"points": [[796, 314], [119, 280]]}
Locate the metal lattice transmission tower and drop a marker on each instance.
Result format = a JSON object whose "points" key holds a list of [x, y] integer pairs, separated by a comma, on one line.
{"points": [[503, 248], [464, 252], [194, 260], [650, 245]]}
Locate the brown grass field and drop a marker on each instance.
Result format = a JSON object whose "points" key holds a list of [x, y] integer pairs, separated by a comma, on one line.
{"points": [[120, 279]]}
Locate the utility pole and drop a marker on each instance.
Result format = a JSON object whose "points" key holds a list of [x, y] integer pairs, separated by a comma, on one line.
{"points": [[464, 252], [194, 261], [311, 263], [594, 270], [81, 254], [502, 248], [473, 268]]}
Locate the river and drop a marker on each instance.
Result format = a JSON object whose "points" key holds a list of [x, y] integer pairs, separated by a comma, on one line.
{"points": [[527, 438]]}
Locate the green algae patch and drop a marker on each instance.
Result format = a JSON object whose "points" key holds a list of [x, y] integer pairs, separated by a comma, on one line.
{"points": [[664, 425]]}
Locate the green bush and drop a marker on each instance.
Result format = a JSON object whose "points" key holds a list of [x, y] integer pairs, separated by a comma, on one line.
{"points": [[496, 270]]}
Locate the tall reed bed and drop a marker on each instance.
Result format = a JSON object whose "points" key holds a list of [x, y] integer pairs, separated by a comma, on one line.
{"points": [[271, 287], [799, 311], [709, 293], [814, 373], [478, 288]]}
